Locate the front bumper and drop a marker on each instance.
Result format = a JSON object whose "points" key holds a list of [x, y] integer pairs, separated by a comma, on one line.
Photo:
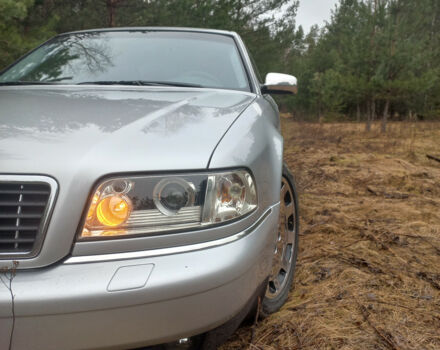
{"points": [[143, 301]]}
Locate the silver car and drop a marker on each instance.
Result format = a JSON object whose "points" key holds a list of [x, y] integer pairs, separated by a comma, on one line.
{"points": [[143, 196]]}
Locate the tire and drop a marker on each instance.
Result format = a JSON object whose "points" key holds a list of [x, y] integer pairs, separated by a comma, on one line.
{"points": [[286, 251]]}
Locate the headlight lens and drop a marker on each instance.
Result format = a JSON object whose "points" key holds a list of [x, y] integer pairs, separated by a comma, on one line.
{"points": [[172, 194], [145, 205]]}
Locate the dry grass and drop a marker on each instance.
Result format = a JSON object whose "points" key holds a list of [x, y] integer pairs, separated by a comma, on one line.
{"points": [[368, 273]]}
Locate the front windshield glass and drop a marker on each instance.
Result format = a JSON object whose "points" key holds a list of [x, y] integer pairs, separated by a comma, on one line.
{"points": [[185, 58]]}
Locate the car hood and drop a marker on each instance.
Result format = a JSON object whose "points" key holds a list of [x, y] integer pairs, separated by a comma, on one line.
{"points": [[60, 131]]}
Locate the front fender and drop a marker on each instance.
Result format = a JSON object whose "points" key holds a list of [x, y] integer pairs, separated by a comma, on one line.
{"points": [[254, 141]]}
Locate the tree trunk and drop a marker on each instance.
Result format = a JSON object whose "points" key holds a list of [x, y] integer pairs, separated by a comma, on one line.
{"points": [[111, 4], [371, 114], [358, 113], [319, 110], [373, 109], [385, 116], [368, 123]]}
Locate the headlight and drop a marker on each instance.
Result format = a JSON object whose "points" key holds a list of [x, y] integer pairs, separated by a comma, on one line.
{"points": [[137, 205]]}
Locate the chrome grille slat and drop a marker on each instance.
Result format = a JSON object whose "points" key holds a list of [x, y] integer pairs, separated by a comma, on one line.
{"points": [[21, 216], [23, 192], [18, 227], [16, 241], [17, 203], [25, 203]]}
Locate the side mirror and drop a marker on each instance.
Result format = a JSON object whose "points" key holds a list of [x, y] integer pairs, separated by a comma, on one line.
{"points": [[277, 83]]}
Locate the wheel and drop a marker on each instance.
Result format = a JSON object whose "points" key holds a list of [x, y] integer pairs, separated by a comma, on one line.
{"points": [[286, 249]]}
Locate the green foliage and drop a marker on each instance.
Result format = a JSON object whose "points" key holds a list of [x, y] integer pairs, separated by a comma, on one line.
{"points": [[18, 32], [373, 58], [380, 57], [11, 36]]}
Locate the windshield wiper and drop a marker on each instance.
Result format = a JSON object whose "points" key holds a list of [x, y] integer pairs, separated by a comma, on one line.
{"points": [[12, 83], [140, 83], [57, 79]]}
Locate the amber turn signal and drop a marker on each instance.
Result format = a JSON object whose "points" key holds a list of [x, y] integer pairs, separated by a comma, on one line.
{"points": [[113, 210]]}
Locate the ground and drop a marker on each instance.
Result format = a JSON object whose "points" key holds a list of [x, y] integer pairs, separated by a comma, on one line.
{"points": [[368, 272]]}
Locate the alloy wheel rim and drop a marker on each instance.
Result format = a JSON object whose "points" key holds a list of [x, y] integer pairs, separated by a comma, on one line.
{"points": [[284, 248]]}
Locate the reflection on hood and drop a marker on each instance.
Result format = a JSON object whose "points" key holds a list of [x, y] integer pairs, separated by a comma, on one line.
{"points": [[50, 130]]}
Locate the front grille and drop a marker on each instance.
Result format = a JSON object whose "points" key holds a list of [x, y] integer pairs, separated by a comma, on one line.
{"points": [[23, 210]]}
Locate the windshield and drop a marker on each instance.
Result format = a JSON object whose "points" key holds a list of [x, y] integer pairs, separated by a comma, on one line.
{"points": [[141, 57]]}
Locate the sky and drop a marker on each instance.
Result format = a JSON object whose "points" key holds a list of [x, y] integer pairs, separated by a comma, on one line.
{"points": [[312, 12]]}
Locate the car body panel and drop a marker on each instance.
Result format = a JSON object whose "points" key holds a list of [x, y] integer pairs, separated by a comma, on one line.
{"points": [[74, 299], [78, 135], [60, 131], [256, 134]]}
